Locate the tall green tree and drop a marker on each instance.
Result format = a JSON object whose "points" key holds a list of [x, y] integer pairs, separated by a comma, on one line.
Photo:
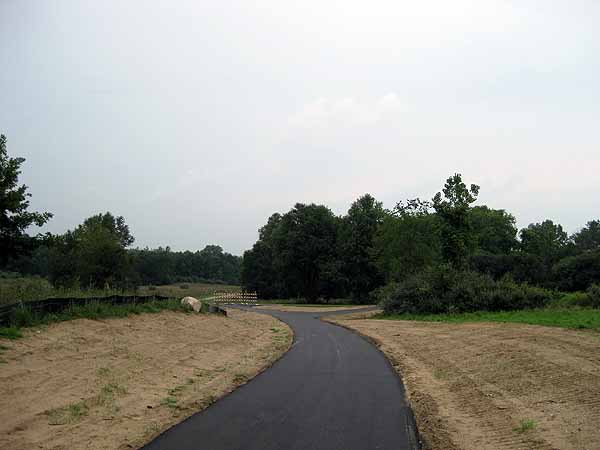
{"points": [[588, 238], [14, 204], [305, 251], [546, 240], [258, 265], [357, 240], [494, 230], [94, 254], [408, 240], [453, 206]]}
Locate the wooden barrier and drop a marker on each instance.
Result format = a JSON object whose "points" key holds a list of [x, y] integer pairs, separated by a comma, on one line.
{"points": [[238, 298]]}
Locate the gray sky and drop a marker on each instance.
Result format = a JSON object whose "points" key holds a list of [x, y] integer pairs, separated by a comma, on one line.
{"points": [[197, 119]]}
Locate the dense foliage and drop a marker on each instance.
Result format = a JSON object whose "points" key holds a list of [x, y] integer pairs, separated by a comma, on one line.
{"points": [[15, 217], [421, 256]]}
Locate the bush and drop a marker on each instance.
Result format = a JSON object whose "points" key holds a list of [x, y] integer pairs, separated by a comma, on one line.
{"points": [[522, 267], [446, 290], [570, 300], [577, 273], [184, 286], [593, 293]]}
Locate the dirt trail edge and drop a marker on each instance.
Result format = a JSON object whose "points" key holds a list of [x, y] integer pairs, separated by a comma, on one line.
{"points": [[331, 390]]}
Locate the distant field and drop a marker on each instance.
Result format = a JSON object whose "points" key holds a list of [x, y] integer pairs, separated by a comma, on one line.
{"points": [[26, 289], [198, 290], [563, 318]]}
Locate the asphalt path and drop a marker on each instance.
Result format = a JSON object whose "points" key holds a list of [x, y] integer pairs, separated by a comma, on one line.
{"points": [[333, 390]]}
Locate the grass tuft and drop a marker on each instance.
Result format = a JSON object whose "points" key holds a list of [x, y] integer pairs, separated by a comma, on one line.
{"points": [[525, 425]]}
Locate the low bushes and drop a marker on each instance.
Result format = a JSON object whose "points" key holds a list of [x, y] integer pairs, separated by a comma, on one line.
{"points": [[577, 273], [446, 290], [593, 294]]}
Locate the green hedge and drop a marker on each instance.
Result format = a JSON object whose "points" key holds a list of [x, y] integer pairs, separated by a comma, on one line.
{"points": [[445, 290]]}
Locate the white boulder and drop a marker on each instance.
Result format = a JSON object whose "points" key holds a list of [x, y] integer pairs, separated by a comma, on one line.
{"points": [[192, 303]]}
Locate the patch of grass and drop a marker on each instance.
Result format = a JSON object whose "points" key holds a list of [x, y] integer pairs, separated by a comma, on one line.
{"points": [[525, 425], [240, 378], [103, 371], [67, 414], [564, 318], [441, 374], [95, 310], [10, 333], [197, 290], [26, 289], [169, 402]]}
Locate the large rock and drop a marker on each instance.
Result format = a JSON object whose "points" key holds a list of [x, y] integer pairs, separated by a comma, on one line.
{"points": [[192, 303]]}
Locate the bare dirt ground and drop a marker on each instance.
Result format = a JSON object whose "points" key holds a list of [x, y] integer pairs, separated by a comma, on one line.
{"points": [[495, 386], [117, 383], [288, 308]]}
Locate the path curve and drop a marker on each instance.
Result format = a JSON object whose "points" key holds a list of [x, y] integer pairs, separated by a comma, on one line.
{"points": [[332, 390]]}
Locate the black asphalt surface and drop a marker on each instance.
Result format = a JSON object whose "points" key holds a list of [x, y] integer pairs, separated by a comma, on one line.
{"points": [[332, 390]]}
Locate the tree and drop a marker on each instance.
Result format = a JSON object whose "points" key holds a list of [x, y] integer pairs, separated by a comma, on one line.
{"points": [[408, 240], [494, 229], [546, 240], [305, 251], [14, 204], [358, 231], [453, 209], [116, 226], [588, 238], [258, 266], [94, 254]]}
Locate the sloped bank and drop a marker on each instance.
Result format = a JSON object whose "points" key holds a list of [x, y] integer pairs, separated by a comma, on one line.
{"points": [[117, 383], [494, 386]]}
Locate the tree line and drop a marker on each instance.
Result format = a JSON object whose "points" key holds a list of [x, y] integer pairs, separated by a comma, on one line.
{"points": [[311, 253], [98, 252]]}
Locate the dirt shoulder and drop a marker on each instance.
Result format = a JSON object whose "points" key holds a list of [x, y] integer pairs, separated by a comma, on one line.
{"points": [[288, 308], [495, 386], [117, 383]]}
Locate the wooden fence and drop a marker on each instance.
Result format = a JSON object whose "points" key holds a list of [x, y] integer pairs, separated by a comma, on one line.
{"points": [[239, 298]]}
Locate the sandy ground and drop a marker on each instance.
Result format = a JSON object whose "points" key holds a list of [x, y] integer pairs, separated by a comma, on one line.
{"points": [[117, 383], [472, 385], [287, 308]]}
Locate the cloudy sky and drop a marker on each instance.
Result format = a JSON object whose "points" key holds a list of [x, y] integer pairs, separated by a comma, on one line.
{"points": [[198, 119]]}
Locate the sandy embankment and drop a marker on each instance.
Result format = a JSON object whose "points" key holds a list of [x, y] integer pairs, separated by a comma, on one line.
{"points": [[116, 383], [495, 386]]}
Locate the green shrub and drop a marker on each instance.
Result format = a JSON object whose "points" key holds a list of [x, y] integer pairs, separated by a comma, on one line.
{"points": [[446, 290], [593, 293], [577, 273], [570, 300]]}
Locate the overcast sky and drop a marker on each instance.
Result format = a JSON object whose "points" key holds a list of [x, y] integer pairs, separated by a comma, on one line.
{"points": [[196, 120]]}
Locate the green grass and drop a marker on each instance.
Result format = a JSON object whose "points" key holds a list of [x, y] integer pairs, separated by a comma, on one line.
{"points": [[197, 290], [24, 317], [26, 289], [525, 425], [564, 318], [169, 402], [68, 414]]}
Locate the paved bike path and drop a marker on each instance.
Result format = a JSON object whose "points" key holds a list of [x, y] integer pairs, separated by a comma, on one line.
{"points": [[332, 390]]}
